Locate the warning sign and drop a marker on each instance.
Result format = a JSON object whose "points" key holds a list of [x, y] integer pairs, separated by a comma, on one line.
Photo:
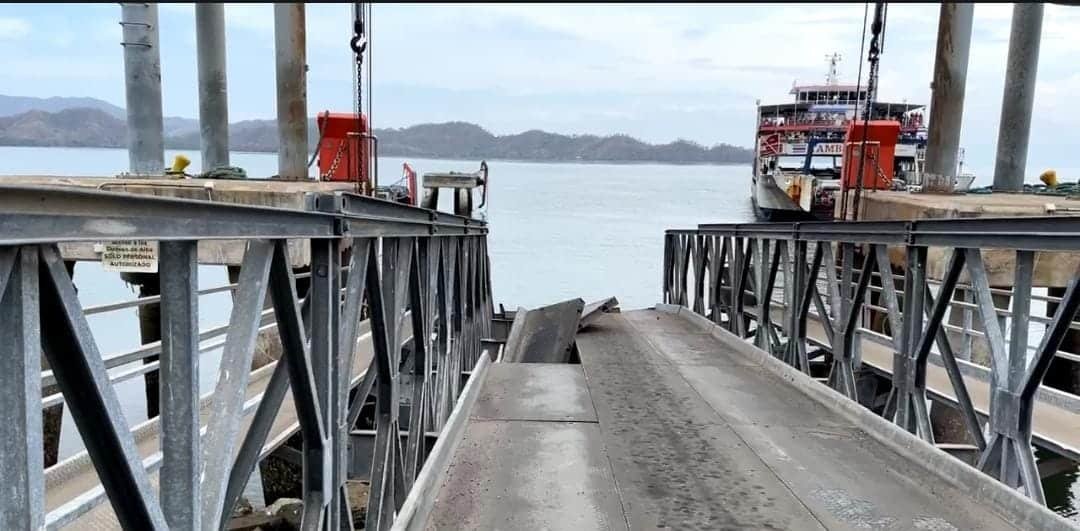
{"points": [[130, 256]]}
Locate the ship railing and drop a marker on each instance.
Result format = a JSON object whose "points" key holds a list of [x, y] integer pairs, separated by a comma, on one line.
{"points": [[971, 313], [414, 282]]}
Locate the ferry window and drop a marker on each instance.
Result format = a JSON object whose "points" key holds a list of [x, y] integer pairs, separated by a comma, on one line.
{"points": [[790, 163], [824, 162]]}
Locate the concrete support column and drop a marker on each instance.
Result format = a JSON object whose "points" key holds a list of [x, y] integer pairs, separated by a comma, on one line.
{"points": [[142, 87], [213, 92], [1019, 97], [52, 418], [950, 78], [290, 49], [149, 331]]}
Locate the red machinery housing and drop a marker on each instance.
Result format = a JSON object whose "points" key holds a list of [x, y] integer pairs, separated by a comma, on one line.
{"points": [[881, 136], [344, 148]]}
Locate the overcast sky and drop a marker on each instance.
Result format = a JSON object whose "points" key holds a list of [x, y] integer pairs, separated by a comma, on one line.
{"points": [[655, 72]]}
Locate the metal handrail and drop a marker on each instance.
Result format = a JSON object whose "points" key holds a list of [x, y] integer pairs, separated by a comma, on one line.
{"points": [[405, 264]]}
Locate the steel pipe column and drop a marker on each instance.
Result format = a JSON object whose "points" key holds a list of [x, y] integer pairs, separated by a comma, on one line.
{"points": [[1014, 130], [950, 78], [142, 88], [291, 53], [213, 89]]}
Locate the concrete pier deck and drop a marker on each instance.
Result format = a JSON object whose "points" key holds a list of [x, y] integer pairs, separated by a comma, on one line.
{"points": [[667, 425], [1052, 269]]}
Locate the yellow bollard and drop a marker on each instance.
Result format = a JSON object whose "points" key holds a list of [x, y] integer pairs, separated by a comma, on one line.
{"points": [[180, 163]]}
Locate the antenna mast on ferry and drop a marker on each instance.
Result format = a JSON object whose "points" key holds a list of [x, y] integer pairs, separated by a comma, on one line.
{"points": [[833, 78]]}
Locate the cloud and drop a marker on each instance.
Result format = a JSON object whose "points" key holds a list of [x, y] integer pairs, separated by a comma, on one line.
{"points": [[12, 28], [657, 72]]}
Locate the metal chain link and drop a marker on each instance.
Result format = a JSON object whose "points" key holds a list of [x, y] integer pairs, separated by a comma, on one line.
{"points": [[337, 160]]}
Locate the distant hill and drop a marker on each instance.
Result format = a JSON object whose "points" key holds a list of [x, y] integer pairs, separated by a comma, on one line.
{"points": [[13, 105], [466, 140], [101, 127], [68, 127]]}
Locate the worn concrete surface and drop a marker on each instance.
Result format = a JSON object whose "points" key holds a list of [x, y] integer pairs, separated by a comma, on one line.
{"points": [[689, 435], [785, 460], [534, 391], [532, 457]]}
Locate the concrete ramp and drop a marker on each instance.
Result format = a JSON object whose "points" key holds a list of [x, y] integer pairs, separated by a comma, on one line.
{"points": [[544, 335], [669, 424], [532, 457]]}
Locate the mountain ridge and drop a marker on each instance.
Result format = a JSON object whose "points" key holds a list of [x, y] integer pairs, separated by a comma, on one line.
{"points": [[103, 125]]}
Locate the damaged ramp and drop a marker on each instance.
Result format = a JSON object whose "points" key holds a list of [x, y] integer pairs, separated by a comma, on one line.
{"points": [[544, 335], [594, 309]]}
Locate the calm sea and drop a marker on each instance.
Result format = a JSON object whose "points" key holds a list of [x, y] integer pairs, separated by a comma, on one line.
{"points": [[558, 231]]}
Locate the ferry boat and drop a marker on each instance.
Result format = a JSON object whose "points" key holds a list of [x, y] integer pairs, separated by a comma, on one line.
{"points": [[801, 148]]}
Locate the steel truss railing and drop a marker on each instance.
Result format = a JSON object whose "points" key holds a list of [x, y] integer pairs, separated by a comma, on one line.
{"points": [[404, 263], [731, 274]]}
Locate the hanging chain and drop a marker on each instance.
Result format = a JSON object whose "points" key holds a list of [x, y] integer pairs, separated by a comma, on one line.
{"points": [[337, 160], [358, 44], [876, 41]]}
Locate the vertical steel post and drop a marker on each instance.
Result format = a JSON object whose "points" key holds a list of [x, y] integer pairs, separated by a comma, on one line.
{"points": [[180, 492], [1018, 99], [23, 504], [797, 331], [950, 79], [325, 323], [761, 260], [213, 89], [291, 52], [739, 256], [142, 88]]}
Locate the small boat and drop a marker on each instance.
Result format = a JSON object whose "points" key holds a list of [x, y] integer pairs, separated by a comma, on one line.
{"points": [[801, 146]]}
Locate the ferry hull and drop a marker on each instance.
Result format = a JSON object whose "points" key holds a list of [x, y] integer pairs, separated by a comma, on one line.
{"points": [[773, 204]]}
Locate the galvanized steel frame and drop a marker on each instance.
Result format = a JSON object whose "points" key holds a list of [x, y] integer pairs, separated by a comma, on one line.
{"points": [[723, 260], [404, 262]]}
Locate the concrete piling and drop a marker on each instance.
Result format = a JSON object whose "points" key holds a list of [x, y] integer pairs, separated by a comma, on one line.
{"points": [[290, 49], [1018, 99], [950, 79], [213, 89]]}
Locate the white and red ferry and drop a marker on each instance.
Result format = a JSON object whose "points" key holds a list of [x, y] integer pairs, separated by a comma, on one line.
{"points": [[801, 148]]}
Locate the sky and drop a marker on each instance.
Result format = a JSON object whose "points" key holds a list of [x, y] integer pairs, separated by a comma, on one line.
{"points": [[655, 72]]}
